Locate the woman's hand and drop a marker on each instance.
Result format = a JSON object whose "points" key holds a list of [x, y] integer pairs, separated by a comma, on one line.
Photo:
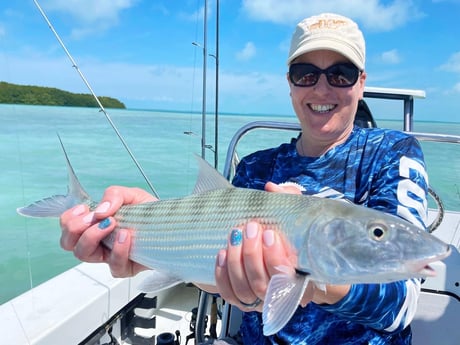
{"points": [[244, 269], [83, 230]]}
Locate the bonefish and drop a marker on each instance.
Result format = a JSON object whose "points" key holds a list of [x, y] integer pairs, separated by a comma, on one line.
{"points": [[335, 242]]}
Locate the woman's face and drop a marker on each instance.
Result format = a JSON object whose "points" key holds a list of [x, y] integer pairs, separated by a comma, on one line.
{"points": [[326, 113]]}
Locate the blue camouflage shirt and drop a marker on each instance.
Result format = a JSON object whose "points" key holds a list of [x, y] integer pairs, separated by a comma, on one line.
{"points": [[378, 168]]}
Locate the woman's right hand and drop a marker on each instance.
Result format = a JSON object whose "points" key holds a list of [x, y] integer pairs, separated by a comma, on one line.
{"points": [[83, 230]]}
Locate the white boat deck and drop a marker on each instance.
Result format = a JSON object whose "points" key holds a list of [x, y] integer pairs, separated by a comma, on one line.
{"points": [[69, 307]]}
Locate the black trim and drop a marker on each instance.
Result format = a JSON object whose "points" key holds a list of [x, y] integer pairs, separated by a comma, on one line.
{"points": [[445, 293]]}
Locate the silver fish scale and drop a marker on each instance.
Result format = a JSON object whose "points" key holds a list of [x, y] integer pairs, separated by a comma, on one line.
{"points": [[183, 236]]}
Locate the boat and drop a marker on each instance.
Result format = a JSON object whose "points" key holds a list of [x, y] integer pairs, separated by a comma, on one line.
{"points": [[86, 305]]}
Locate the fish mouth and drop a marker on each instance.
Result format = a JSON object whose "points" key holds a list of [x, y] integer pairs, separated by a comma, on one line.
{"points": [[423, 267], [427, 271]]}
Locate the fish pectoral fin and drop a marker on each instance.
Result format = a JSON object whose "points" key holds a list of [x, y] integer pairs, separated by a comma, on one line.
{"points": [[284, 293], [157, 281]]}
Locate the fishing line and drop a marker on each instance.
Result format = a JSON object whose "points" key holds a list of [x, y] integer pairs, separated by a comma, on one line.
{"points": [[192, 102], [101, 107], [19, 151], [24, 221], [190, 131], [29, 259]]}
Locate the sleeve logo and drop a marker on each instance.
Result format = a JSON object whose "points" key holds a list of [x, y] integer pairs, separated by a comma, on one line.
{"points": [[412, 197]]}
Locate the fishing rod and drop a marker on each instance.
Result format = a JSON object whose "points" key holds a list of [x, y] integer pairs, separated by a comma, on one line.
{"points": [[101, 107]]}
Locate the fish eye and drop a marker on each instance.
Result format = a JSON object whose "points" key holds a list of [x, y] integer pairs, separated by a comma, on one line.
{"points": [[378, 231]]}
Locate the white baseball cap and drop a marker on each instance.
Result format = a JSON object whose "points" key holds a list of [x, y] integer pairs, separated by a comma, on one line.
{"points": [[329, 31]]}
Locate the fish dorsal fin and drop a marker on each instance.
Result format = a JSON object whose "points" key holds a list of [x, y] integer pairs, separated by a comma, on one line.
{"points": [[75, 188], [209, 179]]}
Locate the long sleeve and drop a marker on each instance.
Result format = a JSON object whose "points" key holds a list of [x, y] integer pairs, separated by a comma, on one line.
{"points": [[384, 307]]}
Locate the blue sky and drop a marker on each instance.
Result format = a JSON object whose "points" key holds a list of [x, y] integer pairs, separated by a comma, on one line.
{"points": [[141, 51]]}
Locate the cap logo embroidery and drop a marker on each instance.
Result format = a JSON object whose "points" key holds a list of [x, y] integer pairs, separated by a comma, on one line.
{"points": [[327, 24]]}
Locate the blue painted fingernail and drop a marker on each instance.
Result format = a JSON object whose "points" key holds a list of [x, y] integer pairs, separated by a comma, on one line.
{"points": [[236, 237], [104, 224]]}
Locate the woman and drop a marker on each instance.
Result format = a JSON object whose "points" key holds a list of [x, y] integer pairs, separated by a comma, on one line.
{"points": [[377, 168]]}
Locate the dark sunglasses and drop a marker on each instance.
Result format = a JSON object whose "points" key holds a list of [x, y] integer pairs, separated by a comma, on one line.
{"points": [[338, 75]]}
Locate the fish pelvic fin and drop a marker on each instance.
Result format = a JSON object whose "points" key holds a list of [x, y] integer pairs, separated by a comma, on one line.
{"points": [[209, 179], [157, 281], [55, 205], [284, 293]]}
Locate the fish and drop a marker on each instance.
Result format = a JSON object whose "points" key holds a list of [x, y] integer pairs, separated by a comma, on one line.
{"points": [[336, 242]]}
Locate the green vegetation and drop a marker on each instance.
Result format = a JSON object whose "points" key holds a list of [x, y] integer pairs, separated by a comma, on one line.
{"points": [[38, 95]]}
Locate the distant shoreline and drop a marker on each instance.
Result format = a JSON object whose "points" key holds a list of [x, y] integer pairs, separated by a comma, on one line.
{"points": [[40, 95]]}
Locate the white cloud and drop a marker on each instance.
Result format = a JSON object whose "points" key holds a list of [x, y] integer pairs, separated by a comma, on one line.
{"points": [[235, 88], [90, 10], [247, 53], [371, 14], [197, 15], [456, 88], [391, 57], [452, 64], [89, 15]]}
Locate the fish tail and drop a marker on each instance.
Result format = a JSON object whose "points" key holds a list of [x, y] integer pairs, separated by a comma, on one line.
{"points": [[55, 205]]}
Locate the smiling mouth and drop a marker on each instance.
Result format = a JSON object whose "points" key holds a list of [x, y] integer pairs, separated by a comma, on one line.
{"points": [[321, 108]]}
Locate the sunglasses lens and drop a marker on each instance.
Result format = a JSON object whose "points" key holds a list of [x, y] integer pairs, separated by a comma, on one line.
{"points": [[342, 75], [339, 75], [304, 74]]}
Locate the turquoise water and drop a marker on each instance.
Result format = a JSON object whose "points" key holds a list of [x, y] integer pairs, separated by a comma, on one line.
{"points": [[33, 166]]}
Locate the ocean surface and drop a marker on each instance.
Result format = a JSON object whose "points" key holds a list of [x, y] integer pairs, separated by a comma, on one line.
{"points": [[33, 167]]}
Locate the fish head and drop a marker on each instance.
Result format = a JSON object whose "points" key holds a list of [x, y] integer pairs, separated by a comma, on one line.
{"points": [[362, 245]]}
